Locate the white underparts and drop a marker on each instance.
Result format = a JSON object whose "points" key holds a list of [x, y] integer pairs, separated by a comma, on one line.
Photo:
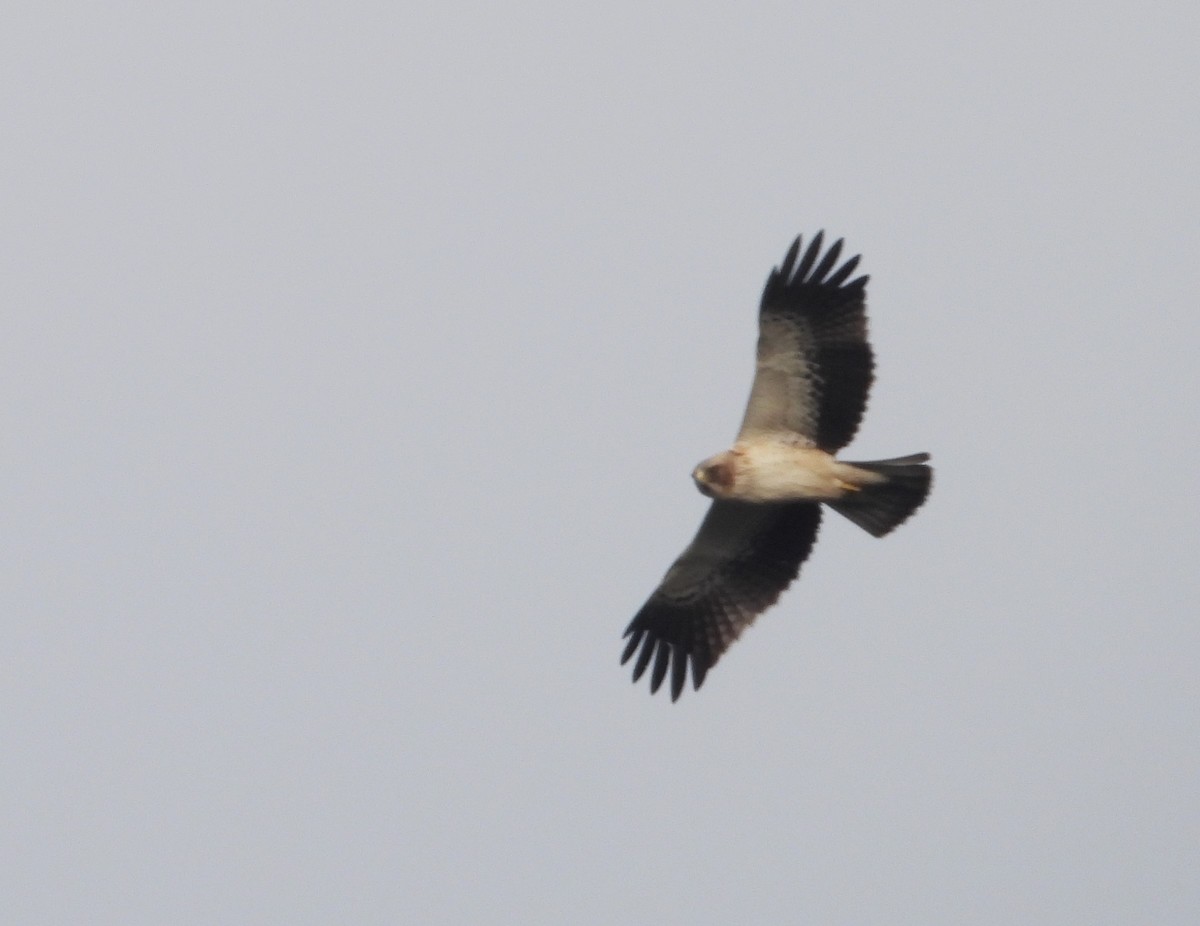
{"points": [[776, 471]]}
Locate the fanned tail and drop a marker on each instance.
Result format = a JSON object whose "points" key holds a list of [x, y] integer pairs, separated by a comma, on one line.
{"points": [[881, 507]]}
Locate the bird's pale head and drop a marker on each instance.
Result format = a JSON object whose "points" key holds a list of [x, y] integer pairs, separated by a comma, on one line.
{"points": [[714, 477]]}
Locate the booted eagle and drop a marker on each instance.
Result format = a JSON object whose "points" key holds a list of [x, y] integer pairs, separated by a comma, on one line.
{"points": [[810, 387]]}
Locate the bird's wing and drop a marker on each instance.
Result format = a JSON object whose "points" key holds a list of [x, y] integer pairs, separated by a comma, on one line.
{"points": [[741, 560], [814, 363]]}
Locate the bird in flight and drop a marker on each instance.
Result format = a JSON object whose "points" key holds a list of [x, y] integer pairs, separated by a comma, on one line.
{"points": [[813, 373]]}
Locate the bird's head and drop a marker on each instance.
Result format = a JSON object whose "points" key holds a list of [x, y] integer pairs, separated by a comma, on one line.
{"points": [[714, 476]]}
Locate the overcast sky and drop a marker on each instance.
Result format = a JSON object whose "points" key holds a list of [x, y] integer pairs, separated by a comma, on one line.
{"points": [[355, 358]]}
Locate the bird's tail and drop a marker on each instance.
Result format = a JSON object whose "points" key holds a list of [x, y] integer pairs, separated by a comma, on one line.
{"points": [[878, 507]]}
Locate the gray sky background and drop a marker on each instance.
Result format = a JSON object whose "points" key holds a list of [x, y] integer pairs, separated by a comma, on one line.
{"points": [[355, 358]]}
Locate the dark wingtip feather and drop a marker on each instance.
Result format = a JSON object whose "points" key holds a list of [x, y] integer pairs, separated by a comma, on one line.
{"points": [[789, 259], [661, 659], [635, 637], [643, 659], [809, 258], [844, 271], [679, 663], [827, 262]]}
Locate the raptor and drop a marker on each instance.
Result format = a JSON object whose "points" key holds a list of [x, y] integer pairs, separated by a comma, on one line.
{"points": [[813, 374]]}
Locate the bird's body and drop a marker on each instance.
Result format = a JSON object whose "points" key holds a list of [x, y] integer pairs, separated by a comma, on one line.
{"points": [[810, 388], [779, 471]]}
